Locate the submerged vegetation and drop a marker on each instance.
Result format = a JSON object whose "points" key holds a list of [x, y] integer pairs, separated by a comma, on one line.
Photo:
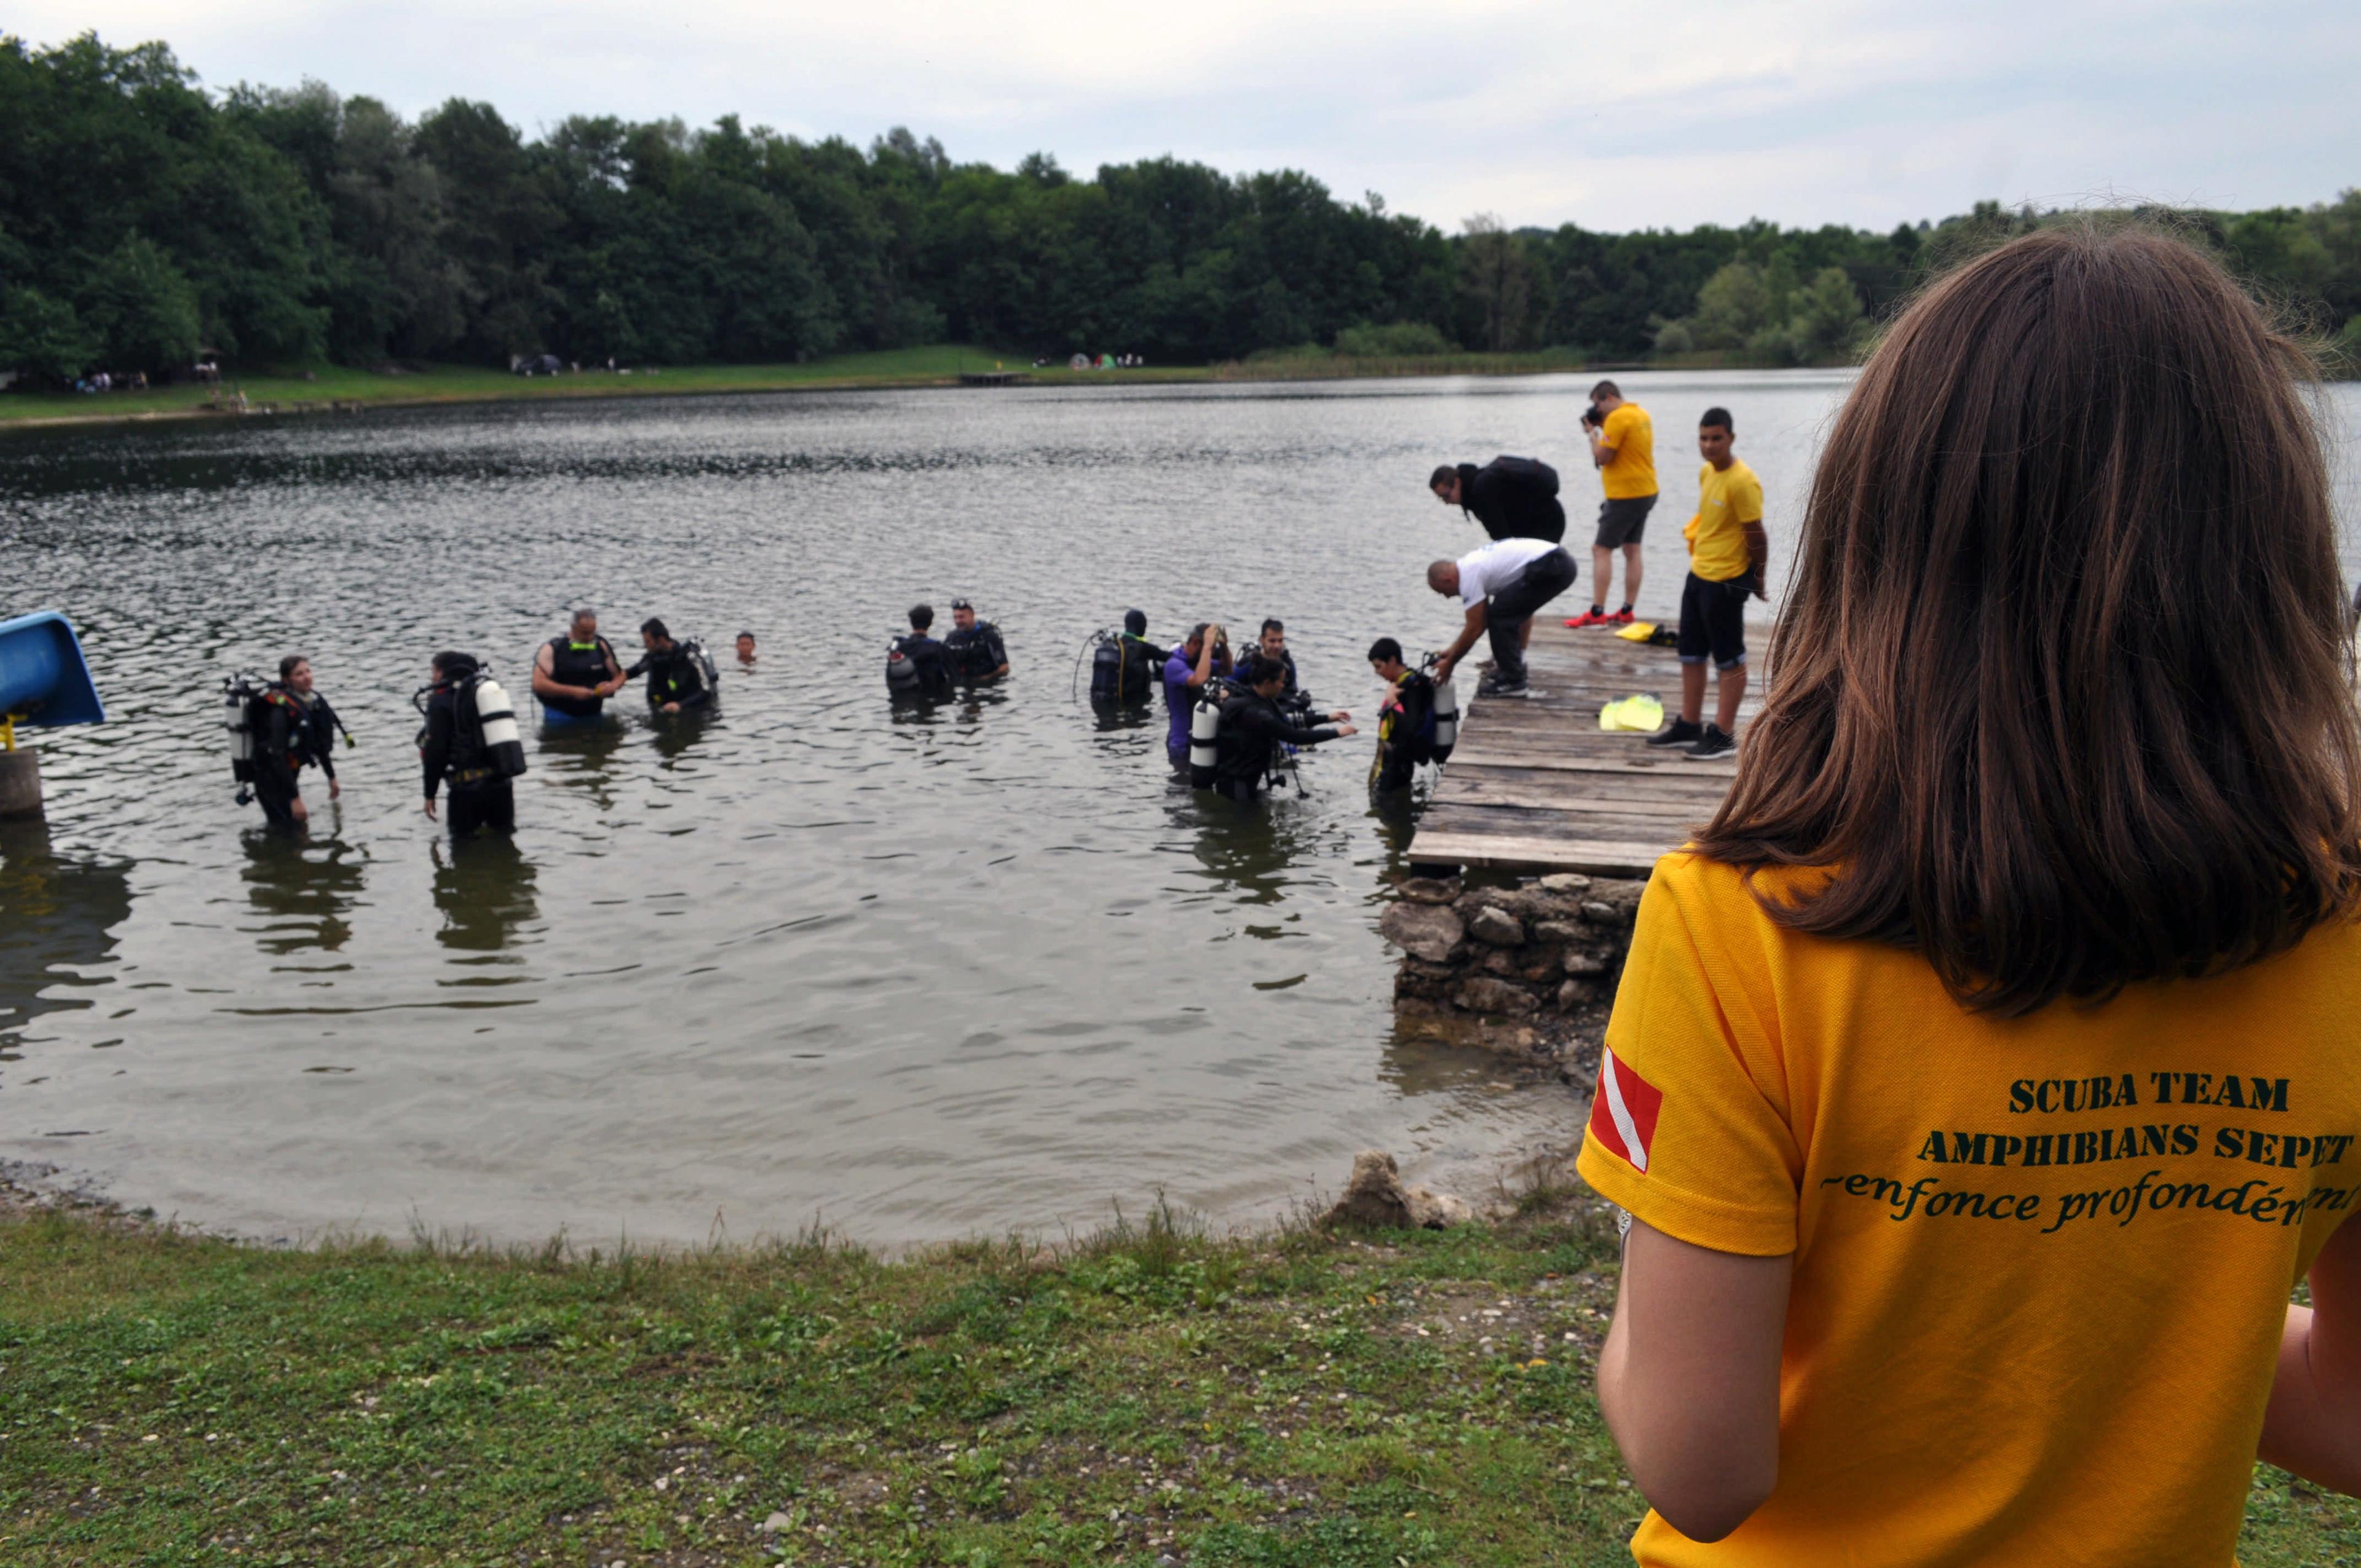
{"points": [[1147, 1395], [146, 221]]}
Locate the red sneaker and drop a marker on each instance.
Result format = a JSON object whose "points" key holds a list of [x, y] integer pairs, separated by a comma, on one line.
{"points": [[1620, 617], [1592, 618]]}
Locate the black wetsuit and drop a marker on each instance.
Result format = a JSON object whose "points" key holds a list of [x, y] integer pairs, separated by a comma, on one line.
{"points": [[573, 663], [1406, 735], [977, 654], [676, 674], [1139, 668], [1253, 729], [280, 728], [933, 665], [452, 747], [1509, 503]]}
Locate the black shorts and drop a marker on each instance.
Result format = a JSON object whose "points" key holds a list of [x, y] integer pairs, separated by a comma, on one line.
{"points": [[1622, 519], [1713, 620]]}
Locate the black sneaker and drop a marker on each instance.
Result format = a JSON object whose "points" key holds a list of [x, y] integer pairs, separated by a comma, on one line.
{"points": [[1493, 685], [1679, 732], [1716, 742]]}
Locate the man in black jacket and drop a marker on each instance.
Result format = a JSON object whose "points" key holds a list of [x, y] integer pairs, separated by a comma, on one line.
{"points": [[974, 649], [452, 747], [925, 658], [1514, 497], [1253, 728], [675, 674]]}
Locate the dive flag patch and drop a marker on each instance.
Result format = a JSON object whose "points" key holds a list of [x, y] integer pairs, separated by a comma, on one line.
{"points": [[1623, 1111]]}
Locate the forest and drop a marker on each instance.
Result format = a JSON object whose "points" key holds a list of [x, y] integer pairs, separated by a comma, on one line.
{"points": [[146, 221]]}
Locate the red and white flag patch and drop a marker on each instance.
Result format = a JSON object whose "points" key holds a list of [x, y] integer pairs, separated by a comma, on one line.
{"points": [[1623, 1111]]}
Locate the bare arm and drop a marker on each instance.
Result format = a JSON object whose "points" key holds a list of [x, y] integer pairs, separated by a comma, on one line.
{"points": [[1689, 1379], [2313, 1425], [1468, 632], [1758, 558], [545, 684], [1601, 454]]}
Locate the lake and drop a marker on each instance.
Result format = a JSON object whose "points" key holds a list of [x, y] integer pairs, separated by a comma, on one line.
{"points": [[913, 975]]}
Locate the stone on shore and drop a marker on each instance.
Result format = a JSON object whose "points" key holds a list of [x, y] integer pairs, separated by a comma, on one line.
{"points": [[1428, 931], [1497, 926], [1428, 889], [1376, 1196]]}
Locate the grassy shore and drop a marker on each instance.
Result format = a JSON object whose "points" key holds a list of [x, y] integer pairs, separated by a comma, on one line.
{"points": [[1301, 1400], [324, 388]]}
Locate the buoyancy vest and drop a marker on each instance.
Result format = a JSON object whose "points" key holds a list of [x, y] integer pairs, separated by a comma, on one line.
{"points": [[975, 653], [573, 663]]}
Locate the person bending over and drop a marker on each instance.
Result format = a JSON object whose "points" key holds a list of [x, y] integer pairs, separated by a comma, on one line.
{"points": [[1983, 1075], [1254, 727], [1502, 585], [1729, 561], [677, 680], [1624, 450], [1205, 656], [973, 647], [1513, 497]]}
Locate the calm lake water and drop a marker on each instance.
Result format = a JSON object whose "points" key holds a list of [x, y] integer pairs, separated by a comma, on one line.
{"points": [[915, 975]]}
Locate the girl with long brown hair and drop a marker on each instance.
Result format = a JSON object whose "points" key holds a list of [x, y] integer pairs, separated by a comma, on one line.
{"points": [[1984, 1076]]}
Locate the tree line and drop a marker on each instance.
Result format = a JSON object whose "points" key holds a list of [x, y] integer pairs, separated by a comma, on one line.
{"points": [[145, 219]]}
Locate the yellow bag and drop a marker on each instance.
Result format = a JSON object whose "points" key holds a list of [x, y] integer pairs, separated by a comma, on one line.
{"points": [[1638, 632], [1636, 714]]}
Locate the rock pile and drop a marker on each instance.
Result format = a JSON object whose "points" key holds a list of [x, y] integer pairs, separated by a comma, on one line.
{"points": [[1549, 950]]}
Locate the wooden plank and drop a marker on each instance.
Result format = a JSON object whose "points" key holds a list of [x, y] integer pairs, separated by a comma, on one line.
{"points": [[1508, 853], [1477, 791], [1672, 767]]}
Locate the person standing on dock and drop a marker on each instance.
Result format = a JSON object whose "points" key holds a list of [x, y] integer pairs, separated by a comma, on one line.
{"points": [[1503, 584], [1624, 450], [1730, 560]]}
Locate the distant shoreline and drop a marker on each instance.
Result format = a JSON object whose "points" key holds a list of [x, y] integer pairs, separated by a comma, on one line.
{"points": [[336, 391]]}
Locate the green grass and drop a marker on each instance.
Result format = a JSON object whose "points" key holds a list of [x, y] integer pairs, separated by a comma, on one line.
{"points": [[1297, 1401]]}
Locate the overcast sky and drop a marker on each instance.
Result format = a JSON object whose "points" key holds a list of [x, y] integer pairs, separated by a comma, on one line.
{"points": [[1867, 112]]}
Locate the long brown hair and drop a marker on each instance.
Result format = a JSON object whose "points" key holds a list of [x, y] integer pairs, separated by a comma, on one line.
{"points": [[2062, 695]]}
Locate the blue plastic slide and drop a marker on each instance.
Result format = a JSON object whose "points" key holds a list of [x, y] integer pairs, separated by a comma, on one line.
{"points": [[43, 678]]}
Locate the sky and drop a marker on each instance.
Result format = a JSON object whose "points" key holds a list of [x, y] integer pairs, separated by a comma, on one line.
{"points": [[1862, 112]]}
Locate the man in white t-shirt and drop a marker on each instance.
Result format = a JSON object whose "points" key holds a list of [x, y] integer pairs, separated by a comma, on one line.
{"points": [[1503, 585]]}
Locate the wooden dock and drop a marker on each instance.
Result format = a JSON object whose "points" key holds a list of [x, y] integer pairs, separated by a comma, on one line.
{"points": [[1535, 786]]}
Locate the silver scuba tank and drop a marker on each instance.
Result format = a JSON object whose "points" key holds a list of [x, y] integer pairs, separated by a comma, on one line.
{"points": [[496, 719], [1204, 739], [1446, 719], [235, 694]]}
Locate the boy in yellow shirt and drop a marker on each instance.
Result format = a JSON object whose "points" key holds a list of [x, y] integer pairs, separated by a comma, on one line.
{"points": [[1728, 553]]}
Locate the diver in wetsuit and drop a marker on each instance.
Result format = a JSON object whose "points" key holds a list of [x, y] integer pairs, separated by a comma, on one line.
{"points": [[975, 647], [1254, 727], [575, 674], [451, 748], [291, 724], [676, 678], [1405, 718], [925, 670]]}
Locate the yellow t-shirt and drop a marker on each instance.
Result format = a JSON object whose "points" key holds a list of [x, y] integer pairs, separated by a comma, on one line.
{"points": [[1633, 471], [2041, 1264], [1727, 503]]}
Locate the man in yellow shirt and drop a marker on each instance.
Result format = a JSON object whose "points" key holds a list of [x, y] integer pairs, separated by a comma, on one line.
{"points": [[1624, 450], [1728, 554]]}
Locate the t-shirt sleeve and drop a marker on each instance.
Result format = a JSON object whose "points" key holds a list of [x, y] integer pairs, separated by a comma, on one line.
{"points": [[1746, 500], [1686, 1130]]}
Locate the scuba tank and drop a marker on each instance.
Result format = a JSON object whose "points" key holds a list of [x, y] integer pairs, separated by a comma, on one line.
{"points": [[495, 723], [1204, 738], [238, 693], [1106, 671], [1446, 716], [901, 672], [705, 665]]}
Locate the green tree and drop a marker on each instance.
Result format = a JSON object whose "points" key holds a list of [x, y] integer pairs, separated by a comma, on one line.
{"points": [[43, 338], [1732, 307], [1497, 278], [1827, 318], [144, 312]]}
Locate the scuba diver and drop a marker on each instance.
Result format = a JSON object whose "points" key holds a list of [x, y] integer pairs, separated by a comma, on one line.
{"points": [[1126, 667], [917, 666], [1253, 729], [746, 649], [1203, 658], [680, 677], [291, 724], [1412, 726], [575, 674], [470, 739], [973, 647]]}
